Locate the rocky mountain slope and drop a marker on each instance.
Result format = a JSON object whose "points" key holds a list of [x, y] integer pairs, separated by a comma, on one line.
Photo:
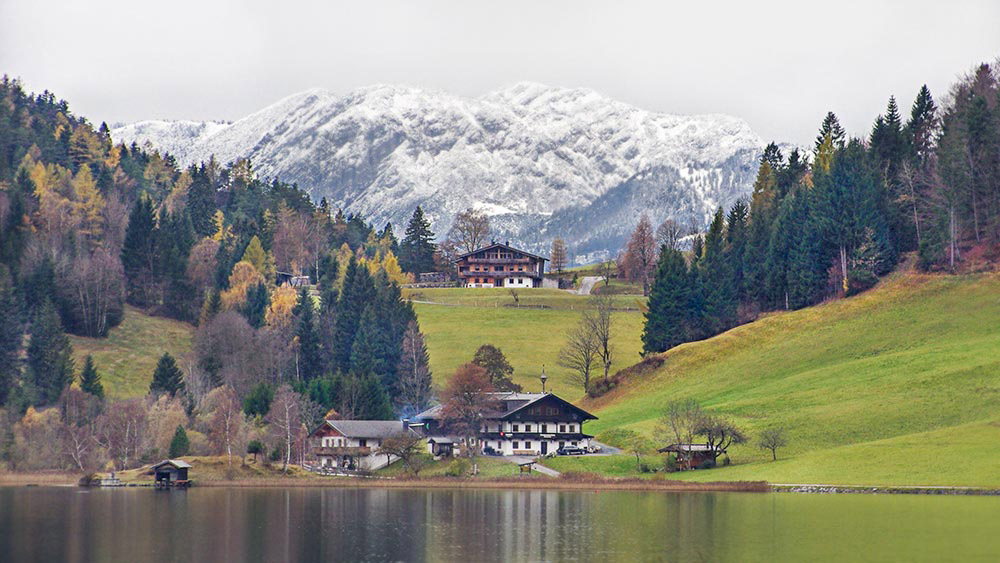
{"points": [[542, 161]]}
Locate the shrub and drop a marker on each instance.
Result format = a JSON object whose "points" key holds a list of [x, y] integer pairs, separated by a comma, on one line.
{"points": [[860, 280], [707, 464], [725, 461], [275, 454], [600, 387], [671, 464], [458, 467]]}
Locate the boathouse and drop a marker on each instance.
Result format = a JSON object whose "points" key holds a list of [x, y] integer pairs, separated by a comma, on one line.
{"points": [[171, 473]]}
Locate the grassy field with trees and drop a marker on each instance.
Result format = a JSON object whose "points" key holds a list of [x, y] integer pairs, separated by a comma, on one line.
{"points": [[895, 386]]}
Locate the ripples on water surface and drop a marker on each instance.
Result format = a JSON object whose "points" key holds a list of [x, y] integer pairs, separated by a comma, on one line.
{"points": [[312, 524]]}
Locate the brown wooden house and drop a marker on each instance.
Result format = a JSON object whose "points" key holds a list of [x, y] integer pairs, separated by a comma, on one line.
{"points": [[500, 265]]}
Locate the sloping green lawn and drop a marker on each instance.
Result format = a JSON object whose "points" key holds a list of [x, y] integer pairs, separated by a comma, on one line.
{"points": [[127, 358], [900, 385], [529, 338]]}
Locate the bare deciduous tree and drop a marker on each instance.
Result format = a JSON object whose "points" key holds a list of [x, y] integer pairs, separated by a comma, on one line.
{"points": [[598, 321], [680, 423], [720, 433], [640, 255], [285, 418], [227, 423], [580, 353], [464, 402], [669, 234], [772, 439], [121, 430], [470, 230], [409, 448], [557, 258]]}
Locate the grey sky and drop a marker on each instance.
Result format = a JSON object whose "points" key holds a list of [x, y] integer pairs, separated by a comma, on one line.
{"points": [[779, 65]]}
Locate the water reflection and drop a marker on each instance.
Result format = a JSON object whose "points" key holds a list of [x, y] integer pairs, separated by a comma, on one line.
{"points": [[311, 524]]}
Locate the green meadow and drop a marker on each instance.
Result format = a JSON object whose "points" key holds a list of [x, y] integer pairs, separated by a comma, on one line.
{"points": [[900, 386], [127, 358]]}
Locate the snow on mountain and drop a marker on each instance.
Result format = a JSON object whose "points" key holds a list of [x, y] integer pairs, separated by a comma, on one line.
{"points": [[542, 161]]}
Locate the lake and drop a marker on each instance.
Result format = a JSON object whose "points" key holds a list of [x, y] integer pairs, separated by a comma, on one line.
{"points": [[312, 524]]}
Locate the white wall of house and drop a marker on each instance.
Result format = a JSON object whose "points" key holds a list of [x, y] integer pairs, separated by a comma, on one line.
{"points": [[518, 282], [479, 285]]}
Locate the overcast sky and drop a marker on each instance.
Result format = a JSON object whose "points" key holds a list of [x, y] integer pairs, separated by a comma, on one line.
{"points": [[779, 65]]}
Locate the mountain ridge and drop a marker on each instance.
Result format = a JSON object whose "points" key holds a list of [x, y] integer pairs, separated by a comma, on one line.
{"points": [[542, 161]]}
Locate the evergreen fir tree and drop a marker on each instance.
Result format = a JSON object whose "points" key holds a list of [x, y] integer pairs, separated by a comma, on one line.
{"points": [[719, 303], [922, 126], [179, 445], [667, 314], [90, 380], [11, 337], [139, 252], [310, 362], [255, 307], [413, 392], [373, 401], [416, 252], [174, 240], [366, 353], [831, 126], [167, 378], [359, 290], [50, 358], [258, 401], [211, 307]]}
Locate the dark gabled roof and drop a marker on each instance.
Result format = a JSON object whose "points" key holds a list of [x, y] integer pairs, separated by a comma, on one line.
{"points": [[368, 428], [583, 414], [499, 245], [522, 399], [178, 463]]}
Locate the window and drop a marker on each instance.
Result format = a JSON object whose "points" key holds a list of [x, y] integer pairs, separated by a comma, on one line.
{"points": [[574, 443], [363, 443], [515, 427], [562, 427], [572, 428], [515, 444], [527, 445], [545, 428], [527, 428]]}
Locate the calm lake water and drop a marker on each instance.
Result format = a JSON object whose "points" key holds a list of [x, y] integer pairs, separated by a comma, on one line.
{"points": [[312, 524]]}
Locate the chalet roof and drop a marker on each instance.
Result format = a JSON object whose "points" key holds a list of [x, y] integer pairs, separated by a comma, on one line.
{"points": [[519, 400], [178, 463], [504, 246], [368, 428]]}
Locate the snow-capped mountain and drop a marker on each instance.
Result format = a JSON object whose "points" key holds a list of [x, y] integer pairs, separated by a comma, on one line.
{"points": [[542, 161]]}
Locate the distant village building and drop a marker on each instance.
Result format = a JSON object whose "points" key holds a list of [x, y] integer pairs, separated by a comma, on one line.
{"points": [[282, 278], [529, 424], [354, 444], [500, 265], [434, 277]]}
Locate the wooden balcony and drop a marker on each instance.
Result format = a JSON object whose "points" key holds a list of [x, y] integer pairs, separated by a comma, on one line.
{"points": [[343, 450], [498, 260]]}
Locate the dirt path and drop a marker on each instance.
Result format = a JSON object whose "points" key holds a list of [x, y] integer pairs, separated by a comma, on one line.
{"points": [[587, 284]]}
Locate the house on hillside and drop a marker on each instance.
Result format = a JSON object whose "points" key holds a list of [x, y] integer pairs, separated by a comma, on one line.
{"points": [[529, 424], [500, 265], [692, 455], [353, 444]]}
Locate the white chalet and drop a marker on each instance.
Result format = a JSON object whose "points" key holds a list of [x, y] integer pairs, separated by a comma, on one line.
{"points": [[529, 424]]}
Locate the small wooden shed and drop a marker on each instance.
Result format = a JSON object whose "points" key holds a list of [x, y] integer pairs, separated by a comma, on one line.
{"points": [[171, 473]]}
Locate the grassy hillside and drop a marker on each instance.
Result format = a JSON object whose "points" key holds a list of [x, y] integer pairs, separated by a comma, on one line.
{"points": [[900, 385], [528, 337], [528, 298], [127, 357]]}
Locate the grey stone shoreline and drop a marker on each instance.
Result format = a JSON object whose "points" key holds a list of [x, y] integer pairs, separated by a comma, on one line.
{"points": [[883, 490]]}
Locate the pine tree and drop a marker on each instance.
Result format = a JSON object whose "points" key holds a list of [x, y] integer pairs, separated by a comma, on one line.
{"points": [[211, 307], [416, 252], [167, 378], [179, 445], [11, 336], [359, 290], [310, 361], [90, 380], [365, 353], [413, 393], [255, 308], [373, 403], [719, 295], [174, 240], [50, 357], [922, 126], [139, 252], [667, 314], [831, 126]]}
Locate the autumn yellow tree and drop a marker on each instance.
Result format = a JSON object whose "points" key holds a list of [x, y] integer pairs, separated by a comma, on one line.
{"points": [[89, 203], [259, 258], [279, 312], [242, 278]]}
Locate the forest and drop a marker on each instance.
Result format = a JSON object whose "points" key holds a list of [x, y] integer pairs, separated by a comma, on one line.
{"points": [[831, 222], [297, 305]]}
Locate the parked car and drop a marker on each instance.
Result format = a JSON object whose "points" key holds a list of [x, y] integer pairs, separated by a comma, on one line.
{"points": [[571, 450], [593, 448]]}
